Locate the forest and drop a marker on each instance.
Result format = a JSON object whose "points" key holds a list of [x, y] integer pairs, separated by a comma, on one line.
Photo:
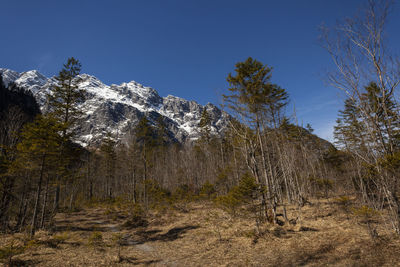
{"points": [[265, 168]]}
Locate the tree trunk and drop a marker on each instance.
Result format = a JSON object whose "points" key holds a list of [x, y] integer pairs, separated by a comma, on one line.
{"points": [[45, 203], [39, 189]]}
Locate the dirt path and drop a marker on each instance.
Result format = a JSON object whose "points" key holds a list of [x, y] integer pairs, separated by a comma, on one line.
{"points": [[206, 236], [139, 245], [86, 222]]}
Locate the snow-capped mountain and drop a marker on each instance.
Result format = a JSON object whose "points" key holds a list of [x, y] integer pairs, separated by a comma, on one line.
{"points": [[118, 108]]}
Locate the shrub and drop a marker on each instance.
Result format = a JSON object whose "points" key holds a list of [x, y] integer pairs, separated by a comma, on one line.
{"points": [[31, 244], [96, 239], [240, 194], [222, 182], [181, 198], [137, 217], [156, 194], [183, 192], [248, 186], [117, 241], [368, 217], [230, 201], [344, 202], [322, 184], [9, 251], [207, 190], [366, 213], [57, 239]]}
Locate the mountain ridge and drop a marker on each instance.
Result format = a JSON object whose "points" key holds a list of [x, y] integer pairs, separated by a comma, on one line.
{"points": [[118, 108]]}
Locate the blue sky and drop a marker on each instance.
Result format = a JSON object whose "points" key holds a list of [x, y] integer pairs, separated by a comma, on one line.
{"points": [[183, 47]]}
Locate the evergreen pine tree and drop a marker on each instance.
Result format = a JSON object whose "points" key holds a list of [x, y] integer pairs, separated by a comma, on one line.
{"points": [[146, 140], [372, 123], [66, 96], [382, 116], [39, 146], [110, 156], [350, 132], [259, 103], [205, 126], [253, 95], [64, 104], [161, 132]]}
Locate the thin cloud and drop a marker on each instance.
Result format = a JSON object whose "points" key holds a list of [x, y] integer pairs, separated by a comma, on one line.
{"points": [[43, 61], [318, 107]]}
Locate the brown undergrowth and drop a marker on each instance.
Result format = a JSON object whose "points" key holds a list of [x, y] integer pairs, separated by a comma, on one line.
{"points": [[203, 235]]}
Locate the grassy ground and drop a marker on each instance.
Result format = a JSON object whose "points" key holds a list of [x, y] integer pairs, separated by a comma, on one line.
{"points": [[203, 235]]}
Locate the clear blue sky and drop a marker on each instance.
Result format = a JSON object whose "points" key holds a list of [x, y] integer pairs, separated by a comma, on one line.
{"points": [[183, 47]]}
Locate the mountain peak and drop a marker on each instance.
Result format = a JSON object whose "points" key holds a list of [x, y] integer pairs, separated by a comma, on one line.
{"points": [[32, 77], [9, 76], [118, 108], [141, 90]]}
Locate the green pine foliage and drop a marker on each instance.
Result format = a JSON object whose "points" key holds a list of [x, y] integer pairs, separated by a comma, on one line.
{"points": [[66, 96], [372, 121], [245, 192], [383, 113], [349, 131], [205, 127], [40, 142], [161, 133], [252, 93], [145, 134]]}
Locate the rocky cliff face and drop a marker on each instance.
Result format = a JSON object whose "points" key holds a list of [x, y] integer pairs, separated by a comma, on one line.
{"points": [[118, 108]]}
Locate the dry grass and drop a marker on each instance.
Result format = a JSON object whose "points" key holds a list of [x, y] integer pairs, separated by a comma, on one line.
{"points": [[207, 236]]}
